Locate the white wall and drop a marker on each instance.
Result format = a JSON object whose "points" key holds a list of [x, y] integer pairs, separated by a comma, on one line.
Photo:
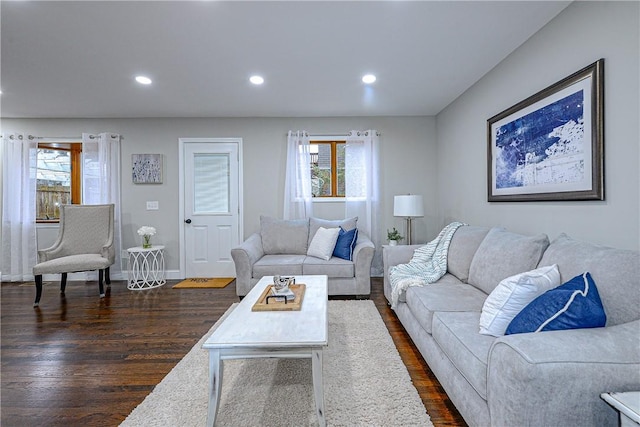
{"points": [[577, 37], [408, 154]]}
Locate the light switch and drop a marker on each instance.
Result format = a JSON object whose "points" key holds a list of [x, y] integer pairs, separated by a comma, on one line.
{"points": [[152, 206]]}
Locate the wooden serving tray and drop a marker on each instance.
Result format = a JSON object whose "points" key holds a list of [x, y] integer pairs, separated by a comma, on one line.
{"points": [[292, 305]]}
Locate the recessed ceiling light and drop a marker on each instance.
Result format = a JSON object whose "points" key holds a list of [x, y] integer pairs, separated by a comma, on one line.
{"points": [[368, 78], [256, 80], [143, 80]]}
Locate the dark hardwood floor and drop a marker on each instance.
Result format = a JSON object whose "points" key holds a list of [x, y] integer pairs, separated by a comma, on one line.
{"points": [[82, 361]]}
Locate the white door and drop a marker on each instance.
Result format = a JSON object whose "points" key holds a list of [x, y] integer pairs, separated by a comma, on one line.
{"points": [[211, 205]]}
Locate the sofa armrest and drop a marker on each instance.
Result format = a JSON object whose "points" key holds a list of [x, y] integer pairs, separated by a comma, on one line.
{"points": [[244, 256], [394, 255], [556, 377], [362, 259]]}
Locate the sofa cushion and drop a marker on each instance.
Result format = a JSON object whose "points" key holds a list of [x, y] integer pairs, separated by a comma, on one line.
{"points": [[573, 305], [284, 236], [447, 278], [346, 243], [614, 270], [315, 223], [512, 295], [458, 337], [286, 265], [335, 267], [462, 248], [424, 301], [323, 243], [502, 254]]}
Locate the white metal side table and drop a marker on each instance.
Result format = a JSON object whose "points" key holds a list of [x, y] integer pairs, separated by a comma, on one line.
{"points": [[146, 267]]}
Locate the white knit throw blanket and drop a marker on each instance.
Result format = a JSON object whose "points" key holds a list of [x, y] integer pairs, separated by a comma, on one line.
{"points": [[428, 264]]}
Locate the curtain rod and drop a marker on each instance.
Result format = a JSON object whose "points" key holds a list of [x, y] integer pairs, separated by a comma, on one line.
{"points": [[334, 135], [78, 138], [346, 134], [66, 138], [52, 138]]}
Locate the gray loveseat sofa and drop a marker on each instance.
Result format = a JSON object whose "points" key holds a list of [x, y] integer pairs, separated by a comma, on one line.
{"points": [[551, 378], [280, 247]]}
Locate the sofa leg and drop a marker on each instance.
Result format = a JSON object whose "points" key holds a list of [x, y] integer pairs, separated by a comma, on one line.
{"points": [[63, 283], [100, 284], [38, 290]]}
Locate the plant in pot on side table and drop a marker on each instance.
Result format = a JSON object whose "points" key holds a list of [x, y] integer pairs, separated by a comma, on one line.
{"points": [[394, 236]]}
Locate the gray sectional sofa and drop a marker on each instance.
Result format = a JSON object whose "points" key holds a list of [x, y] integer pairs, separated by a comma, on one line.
{"points": [[280, 247], [550, 378]]}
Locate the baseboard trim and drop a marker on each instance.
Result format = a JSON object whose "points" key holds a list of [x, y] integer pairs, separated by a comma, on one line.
{"points": [[92, 275]]}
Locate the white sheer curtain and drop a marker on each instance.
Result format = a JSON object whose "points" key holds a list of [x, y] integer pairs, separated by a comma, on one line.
{"points": [[362, 187], [19, 168], [297, 184], [101, 181]]}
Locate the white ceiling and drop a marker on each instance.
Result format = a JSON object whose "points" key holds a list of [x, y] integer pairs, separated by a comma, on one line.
{"points": [[78, 59]]}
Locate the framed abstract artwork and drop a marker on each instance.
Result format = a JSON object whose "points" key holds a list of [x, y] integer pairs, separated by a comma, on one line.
{"points": [[551, 145], [146, 168]]}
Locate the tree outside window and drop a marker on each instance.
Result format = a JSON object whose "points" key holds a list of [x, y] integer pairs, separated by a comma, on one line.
{"points": [[327, 168], [58, 178]]}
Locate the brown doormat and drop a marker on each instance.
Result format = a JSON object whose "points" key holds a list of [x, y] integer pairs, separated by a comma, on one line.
{"points": [[203, 282]]}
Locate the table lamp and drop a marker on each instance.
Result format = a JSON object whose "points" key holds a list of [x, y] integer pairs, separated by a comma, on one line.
{"points": [[408, 206]]}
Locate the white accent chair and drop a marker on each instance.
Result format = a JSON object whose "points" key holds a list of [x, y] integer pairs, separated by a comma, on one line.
{"points": [[84, 243]]}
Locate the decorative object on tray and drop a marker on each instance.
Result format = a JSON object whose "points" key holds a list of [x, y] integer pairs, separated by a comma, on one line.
{"points": [[146, 232], [281, 283], [280, 296], [270, 300]]}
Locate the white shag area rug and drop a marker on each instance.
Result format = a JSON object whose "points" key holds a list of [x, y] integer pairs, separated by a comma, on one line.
{"points": [[365, 383]]}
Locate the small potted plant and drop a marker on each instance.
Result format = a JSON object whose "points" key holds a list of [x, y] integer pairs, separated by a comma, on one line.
{"points": [[394, 236]]}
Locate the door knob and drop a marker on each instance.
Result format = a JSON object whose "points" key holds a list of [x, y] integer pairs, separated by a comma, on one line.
{"points": [[188, 220]]}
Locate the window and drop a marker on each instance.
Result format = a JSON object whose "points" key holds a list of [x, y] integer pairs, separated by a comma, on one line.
{"points": [[58, 178], [327, 168]]}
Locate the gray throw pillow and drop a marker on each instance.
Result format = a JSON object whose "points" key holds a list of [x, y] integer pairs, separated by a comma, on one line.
{"points": [[463, 247], [503, 254], [284, 236]]}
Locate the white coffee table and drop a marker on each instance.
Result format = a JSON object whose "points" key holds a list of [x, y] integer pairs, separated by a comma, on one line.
{"points": [[287, 334], [628, 406]]}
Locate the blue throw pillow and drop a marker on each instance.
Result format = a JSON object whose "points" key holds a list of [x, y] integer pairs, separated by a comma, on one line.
{"points": [[573, 305], [345, 244]]}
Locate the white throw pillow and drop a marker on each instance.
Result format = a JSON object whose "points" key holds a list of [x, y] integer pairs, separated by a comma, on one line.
{"points": [[323, 243], [512, 295]]}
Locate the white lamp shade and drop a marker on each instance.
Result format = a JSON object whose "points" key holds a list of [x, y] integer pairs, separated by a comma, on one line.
{"points": [[409, 205]]}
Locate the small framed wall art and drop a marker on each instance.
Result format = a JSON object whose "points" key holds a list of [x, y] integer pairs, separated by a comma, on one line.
{"points": [[551, 145], [146, 168]]}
